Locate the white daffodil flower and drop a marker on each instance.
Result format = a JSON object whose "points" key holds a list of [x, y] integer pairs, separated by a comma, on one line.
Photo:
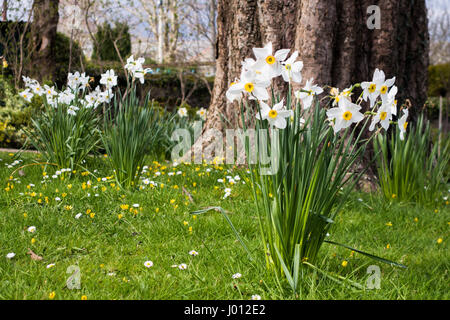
{"points": [[202, 113], [27, 95], [73, 80], [233, 96], [182, 112], [50, 92], [28, 81], [337, 95], [390, 100], [384, 116], [253, 84], [377, 86], [66, 96], [248, 63], [91, 100], [139, 74], [72, 110], [109, 79], [346, 114], [291, 69], [307, 95], [134, 65], [84, 81], [37, 89], [276, 115], [268, 63], [105, 96], [403, 124]]}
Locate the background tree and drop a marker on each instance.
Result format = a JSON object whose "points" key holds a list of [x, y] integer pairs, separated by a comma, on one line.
{"points": [[45, 23], [162, 18]]}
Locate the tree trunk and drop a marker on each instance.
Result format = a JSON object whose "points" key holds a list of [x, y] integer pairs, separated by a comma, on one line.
{"points": [[333, 40], [45, 22]]}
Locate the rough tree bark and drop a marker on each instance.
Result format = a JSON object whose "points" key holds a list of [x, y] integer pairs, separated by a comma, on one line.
{"points": [[333, 40], [5, 10], [45, 22]]}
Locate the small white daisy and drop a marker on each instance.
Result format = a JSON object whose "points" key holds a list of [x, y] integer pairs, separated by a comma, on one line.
{"points": [[236, 275], [148, 264], [10, 255], [193, 253], [31, 229], [182, 266]]}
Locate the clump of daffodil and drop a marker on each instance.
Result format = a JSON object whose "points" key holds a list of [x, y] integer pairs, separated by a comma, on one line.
{"points": [[300, 160]]}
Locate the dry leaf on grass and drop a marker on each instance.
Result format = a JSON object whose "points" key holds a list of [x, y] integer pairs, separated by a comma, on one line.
{"points": [[33, 255]]}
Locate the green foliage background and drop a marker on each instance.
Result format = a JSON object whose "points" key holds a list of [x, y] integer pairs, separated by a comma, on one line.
{"points": [[104, 42]]}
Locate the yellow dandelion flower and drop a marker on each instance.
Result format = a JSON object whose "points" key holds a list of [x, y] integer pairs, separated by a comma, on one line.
{"points": [[83, 297], [439, 241], [52, 295], [389, 224], [344, 263]]}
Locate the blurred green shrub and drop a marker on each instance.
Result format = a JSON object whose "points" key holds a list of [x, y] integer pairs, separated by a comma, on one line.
{"points": [[439, 80], [104, 42], [15, 114]]}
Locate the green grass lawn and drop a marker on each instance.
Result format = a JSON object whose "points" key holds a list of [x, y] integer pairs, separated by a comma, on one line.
{"points": [[113, 239]]}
